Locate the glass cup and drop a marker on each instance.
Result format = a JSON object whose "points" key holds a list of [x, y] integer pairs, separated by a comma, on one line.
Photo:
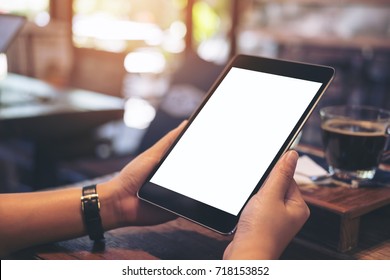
{"points": [[354, 138]]}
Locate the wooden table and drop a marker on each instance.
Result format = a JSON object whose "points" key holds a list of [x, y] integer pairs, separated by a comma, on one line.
{"points": [[181, 239], [50, 118], [341, 226], [37, 110], [337, 210]]}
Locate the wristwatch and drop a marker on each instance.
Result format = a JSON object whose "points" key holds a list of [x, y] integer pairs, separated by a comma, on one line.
{"points": [[90, 207]]}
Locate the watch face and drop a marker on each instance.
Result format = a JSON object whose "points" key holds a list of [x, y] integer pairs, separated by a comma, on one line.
{"points": [[182, 100]]}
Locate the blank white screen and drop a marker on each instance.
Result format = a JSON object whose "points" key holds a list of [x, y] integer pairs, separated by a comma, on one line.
{"points": [[228, 147]]}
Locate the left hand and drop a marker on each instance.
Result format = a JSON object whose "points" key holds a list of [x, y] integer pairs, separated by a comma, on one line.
{"points": [[129, 208]]}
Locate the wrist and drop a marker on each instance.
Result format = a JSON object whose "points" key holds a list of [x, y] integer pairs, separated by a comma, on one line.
{"points": [[248, 253], [109, 205], [252, 247]]}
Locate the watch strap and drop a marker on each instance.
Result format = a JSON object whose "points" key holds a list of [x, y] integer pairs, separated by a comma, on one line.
{"points": [[90, 207]]}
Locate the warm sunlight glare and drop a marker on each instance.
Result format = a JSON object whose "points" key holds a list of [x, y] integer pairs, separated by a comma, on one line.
{"points": [[147, 61], [138, 113]]}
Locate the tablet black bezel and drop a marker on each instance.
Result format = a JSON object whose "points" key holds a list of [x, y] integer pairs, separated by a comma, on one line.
{"points": [[207, 215]]}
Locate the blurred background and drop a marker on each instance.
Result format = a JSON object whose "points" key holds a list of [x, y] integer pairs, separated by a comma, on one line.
{"points": [[154, 61]]}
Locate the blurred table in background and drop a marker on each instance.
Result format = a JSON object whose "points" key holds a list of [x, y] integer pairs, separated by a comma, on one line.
{"points": [[51, 118]]}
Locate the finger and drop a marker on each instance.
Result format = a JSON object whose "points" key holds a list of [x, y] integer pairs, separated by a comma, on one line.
{"points": [[148, 213], [293, 193], [281, 176], [143, 164], [164, 143]]}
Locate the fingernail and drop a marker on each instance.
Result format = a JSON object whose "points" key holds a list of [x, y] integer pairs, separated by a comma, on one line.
{"points": [[291, 157], [183, 123]]}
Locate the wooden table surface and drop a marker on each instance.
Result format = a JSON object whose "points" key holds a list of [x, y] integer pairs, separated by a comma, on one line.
{"points": [[184, 240], [37, 110], [181, 239], [52, 118]]}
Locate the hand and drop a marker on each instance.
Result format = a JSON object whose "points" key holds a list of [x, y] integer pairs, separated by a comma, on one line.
{"points": [[272, 217], [129, 209]]}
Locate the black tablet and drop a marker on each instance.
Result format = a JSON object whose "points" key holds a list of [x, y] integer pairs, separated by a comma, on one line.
{"points": [[248, 119]]}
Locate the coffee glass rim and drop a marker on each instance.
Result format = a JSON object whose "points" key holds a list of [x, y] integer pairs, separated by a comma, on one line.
{"points": [[326, 111]]}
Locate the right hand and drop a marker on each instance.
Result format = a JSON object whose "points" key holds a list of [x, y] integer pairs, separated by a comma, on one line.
{"points": [[272, 217]]}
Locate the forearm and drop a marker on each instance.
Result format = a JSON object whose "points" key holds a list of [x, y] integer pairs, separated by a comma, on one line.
{"points": [[29, 219], [43, 217]]}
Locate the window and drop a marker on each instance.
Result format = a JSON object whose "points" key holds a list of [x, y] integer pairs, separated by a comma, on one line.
{"points": [[123, 25], [35, 10], [211, 27]]}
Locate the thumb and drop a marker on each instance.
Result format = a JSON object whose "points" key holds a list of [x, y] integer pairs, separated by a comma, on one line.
{"points": [[137, 170], [282, 175], [164, 143]]}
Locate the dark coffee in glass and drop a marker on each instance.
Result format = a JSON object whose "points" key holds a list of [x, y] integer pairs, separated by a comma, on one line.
{"points": [[354, 140]]}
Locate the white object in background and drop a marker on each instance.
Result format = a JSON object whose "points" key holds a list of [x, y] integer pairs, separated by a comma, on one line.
{"points": [[3, 66], [307, 168]]}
